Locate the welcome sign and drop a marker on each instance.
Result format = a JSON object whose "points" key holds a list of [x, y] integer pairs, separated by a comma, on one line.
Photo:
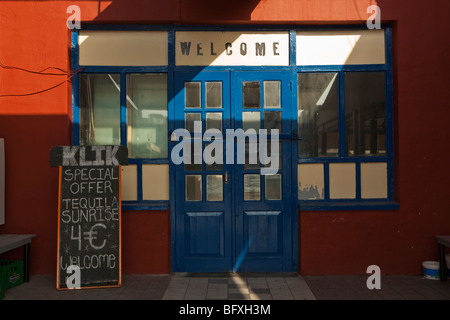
{"points": [[215, 48]]}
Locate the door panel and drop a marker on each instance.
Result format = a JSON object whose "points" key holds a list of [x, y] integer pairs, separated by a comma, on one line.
{"points": [[206, 233]]}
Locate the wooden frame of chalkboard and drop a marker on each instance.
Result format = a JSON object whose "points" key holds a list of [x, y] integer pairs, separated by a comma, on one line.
{"points": [[89, 242]]}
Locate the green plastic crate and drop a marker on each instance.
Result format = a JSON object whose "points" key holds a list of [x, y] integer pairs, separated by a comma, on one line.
{"points": [[12, 273]]}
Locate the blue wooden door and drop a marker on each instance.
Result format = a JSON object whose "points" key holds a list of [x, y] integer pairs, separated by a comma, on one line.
{"points": [[230, 216], [264, 200], [203, 215]]}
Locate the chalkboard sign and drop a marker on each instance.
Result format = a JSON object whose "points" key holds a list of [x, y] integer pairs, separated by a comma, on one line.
{"points": [[89, 215]]}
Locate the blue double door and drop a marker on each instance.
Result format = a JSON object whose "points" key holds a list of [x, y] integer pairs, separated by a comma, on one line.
{"points": [[234, 208]]}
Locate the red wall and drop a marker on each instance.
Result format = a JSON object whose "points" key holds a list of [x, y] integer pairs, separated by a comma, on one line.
{"points": [[34, 37]]}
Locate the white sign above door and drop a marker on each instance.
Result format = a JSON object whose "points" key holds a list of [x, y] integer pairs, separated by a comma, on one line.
{"points": [[215, 48]]}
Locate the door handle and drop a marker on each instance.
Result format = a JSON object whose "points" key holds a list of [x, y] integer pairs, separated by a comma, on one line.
{"points": [[226, 177]]}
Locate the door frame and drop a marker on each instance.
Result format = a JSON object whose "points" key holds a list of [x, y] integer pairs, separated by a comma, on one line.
{"points": [[294, 223]]}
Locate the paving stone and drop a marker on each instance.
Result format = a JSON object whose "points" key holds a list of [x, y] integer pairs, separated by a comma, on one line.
{"points": [[238, 296], [174, 287], [258, 296]]}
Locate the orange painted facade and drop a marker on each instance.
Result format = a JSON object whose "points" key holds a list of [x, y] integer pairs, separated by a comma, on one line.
{"points": [[34, 36]]}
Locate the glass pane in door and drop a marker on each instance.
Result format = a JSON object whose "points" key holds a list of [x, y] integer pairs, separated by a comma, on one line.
{"points": [[193, 94], [251, 120], [193, 187], [252, 187], [251, 96], [213, 95], [272, 94], [273, 187], [272, 120], [214, 187]]}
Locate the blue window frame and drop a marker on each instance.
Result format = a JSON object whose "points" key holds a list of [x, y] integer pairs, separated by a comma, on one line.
{"points": [[327, 202], [346, 152], [124, 74]]}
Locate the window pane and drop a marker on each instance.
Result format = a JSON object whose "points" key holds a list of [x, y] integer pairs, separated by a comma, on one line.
{"points": [[196, 153], [251, 120], [195, 162], [251, 161], [217, 156], [147, 115], [214, 188], [273, 187], [214, 120], [272, 94], [272, 157], [272, 120], [214, 94], [311, 181], [251, 94], [193, 187], [99, 109], [252, 187], [192, 95], [318, 113], [365, 116], [189, 121]]}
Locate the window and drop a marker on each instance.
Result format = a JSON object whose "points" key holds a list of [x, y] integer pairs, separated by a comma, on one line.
{"points": [[345, 153], [318, 114], [342, 124], [365, 114], [100, 109], [147, 116], [143, 128], [342, 127], [100, 119]]}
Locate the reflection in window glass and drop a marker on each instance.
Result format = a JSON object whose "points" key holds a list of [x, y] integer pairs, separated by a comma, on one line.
{"points": [[213, 94], [147, 115], [272, 94], [272, 120], [99, 109], [196, 153], [251, 120], [365, 116], [252, 187], [189, 121], [251, 160], [214, 188], [214, 120], [215, 165], [251, 94], [268, 153], [192, 94], [194, 163], [193, 187], [273, 187], [318, 111]]}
